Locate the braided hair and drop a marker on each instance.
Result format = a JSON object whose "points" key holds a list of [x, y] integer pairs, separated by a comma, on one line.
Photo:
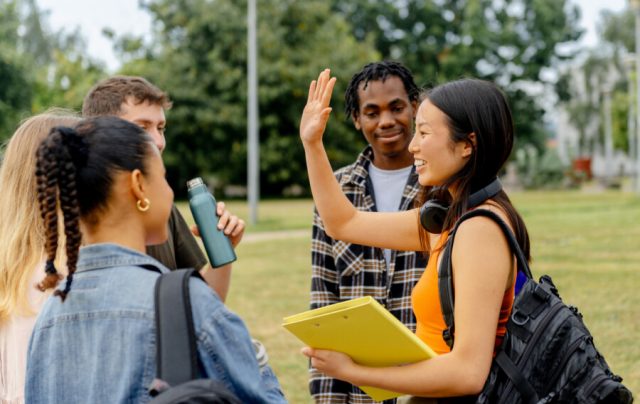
{"points": [[56, 179], [74, 170], [374, 72]]}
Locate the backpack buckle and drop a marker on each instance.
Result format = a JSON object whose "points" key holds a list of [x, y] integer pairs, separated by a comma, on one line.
{"points": [[519, 318]]}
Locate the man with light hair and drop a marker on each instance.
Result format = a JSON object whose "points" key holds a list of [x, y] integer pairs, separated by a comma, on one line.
{"points": [[137, 100]]}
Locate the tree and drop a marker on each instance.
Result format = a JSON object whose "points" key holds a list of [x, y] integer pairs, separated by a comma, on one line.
{"points": [[618, 29], [601, 70], [67, 78], [39, 69], [509, 42], [15, 87], [199, 55]]}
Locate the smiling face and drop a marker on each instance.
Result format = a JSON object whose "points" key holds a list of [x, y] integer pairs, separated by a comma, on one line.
{"points": [[437, 158], [385, 117]]}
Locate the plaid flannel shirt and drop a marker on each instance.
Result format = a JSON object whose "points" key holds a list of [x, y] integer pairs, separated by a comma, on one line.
{"points": [[343, 271]]}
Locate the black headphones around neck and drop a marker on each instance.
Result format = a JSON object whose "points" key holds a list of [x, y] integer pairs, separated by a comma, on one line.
{"points": [[433, 212]]}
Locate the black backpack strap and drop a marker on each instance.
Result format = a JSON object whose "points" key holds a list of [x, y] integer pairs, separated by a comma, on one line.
{"points": [[527, 392], [445, 271], [177, 355]]}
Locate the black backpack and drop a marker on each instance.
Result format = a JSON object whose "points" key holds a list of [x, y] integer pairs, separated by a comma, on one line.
{"points": [[548, 354], [177, 356]]}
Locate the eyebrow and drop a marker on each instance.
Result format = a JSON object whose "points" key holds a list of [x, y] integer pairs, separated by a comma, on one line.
{"points": [[148, 121], [398, 101], [376, 106]]}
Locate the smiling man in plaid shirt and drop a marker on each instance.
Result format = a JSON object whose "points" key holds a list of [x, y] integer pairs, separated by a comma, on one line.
{"points": [[382, 100]]}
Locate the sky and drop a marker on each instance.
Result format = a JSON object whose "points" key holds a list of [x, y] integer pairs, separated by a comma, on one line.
{"points": [[124, 16]]}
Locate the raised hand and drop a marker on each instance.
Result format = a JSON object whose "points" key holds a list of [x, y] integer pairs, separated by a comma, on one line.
{"points": [[316, 112]]}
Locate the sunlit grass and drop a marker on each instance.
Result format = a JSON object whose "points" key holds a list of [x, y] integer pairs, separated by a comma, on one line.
{"points": [[273, 215]]}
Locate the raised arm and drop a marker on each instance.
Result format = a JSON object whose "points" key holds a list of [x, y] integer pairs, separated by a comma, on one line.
{"points": [[394, 230]]}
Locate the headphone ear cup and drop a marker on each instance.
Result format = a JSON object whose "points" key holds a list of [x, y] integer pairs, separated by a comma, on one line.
{"points": [[432, 215]]}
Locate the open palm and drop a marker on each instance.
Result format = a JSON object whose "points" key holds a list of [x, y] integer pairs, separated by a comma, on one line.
{"points": [[316, 112]]}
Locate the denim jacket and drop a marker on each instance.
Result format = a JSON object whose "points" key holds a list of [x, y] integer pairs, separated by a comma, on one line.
{"points": [[99, 345]]}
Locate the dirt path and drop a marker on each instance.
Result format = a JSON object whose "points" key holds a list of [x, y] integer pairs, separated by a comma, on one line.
{"points": [[275, 235]]}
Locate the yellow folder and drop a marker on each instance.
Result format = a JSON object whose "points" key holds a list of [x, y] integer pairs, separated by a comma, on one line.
{"points": [[365, 331]]}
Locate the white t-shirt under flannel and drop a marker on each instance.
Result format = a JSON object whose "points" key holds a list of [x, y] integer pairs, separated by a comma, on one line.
{"points": [[388, 186]]}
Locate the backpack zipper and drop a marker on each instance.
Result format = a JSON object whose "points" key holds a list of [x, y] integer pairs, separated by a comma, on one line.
{"points": [[534, 339], [578, 343], [594, 384]]}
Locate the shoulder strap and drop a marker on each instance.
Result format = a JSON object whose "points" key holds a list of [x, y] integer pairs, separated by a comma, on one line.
{"points": [[177, 355], [445, 272]]}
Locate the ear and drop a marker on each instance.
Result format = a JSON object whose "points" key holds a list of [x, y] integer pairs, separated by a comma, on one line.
{"points": [[136, 180], [356, 120], [469, 145]]}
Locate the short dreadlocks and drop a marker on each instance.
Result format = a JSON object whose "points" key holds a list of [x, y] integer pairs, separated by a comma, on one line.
{"points": [[378, 71]]}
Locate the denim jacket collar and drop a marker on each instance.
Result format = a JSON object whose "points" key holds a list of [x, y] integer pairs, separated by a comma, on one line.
{"points": [[108, 255]]}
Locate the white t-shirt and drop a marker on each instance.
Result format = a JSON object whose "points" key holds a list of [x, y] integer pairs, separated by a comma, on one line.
{"points": [[388, 186]]}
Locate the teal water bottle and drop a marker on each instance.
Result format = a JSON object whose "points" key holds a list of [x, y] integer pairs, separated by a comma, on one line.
{"points": [[203, 209]]}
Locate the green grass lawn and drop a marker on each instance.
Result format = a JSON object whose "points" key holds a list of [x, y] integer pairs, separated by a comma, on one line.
{"points": [[588, 243]]}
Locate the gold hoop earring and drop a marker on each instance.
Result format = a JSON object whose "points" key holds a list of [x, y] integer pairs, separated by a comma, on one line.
{"points": [[147, 204]]}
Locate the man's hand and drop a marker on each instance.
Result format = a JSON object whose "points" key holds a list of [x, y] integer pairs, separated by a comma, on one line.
{"points": [[232, 226]]}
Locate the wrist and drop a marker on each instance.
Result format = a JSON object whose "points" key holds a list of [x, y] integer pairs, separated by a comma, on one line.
{"points": [[354, 375], [312, 145]]}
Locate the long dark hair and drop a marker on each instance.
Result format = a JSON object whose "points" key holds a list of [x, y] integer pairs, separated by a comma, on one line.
{"points": [[75, 169], [477, 106]]}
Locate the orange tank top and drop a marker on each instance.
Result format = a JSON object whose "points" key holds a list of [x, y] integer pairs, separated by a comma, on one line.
{"points": [[425, 300]]}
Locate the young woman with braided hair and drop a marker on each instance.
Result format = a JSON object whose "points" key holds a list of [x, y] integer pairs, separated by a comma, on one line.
{"points": [[22, 253], [96, 342]]}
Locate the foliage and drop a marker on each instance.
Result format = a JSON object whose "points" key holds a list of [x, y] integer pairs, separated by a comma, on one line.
{"points": [[581, 91], [620, 120], [39, 69], [617, 28], [510, 43], [199, 56], [606, 69], [15, 87], [540, 171], [69, 76]]}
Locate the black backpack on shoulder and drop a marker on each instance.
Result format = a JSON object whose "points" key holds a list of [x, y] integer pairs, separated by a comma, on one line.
{"points": [[547, 355], [177, 379]]}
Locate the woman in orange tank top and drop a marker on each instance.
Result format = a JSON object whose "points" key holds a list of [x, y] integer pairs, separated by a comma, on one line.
{"points": [[463, 137]]}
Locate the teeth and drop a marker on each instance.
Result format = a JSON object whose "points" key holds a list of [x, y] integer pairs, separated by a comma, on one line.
{"points": [[418, 163]]}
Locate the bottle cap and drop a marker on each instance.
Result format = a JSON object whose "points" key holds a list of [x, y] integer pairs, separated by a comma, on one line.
{"points": [[192, 183]]}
